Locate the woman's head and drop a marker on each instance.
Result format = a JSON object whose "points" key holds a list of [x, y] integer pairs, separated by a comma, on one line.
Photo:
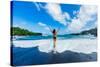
{"points": [[54, 30]]}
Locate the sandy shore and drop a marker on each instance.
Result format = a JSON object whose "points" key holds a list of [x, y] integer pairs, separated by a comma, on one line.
{"points": [[75, 45]]}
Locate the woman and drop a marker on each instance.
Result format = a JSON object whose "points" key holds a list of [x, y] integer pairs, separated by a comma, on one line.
{"points": [[54, 32]]}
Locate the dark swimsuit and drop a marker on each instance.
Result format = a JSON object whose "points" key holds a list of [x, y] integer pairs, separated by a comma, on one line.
{"points": [[54, 37]]}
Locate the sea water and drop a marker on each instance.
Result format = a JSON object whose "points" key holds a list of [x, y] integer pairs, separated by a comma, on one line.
{"points": [[34, 50], [50, 37]]}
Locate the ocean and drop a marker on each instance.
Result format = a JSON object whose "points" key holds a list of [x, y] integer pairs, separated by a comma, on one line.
{"points": [[60, 37], [35, 50]]}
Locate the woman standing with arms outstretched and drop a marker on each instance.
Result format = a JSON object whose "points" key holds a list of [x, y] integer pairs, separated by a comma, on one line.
{"points": [[54, 32]]}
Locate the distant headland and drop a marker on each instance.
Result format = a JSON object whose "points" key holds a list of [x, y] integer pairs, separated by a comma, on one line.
{"points": [[23, 32]]}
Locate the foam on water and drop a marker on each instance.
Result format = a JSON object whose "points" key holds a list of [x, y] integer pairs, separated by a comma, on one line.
{"points": [[46, 45]]}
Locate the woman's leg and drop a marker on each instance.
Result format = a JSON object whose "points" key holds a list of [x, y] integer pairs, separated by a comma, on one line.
{"points": [[54, 43]]}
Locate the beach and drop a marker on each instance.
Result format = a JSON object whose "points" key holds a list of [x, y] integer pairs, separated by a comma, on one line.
{"points": [[30, 51], [46, 45]]}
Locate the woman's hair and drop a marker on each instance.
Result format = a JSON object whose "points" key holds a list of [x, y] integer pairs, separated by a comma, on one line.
{"points": [[54, 31]]}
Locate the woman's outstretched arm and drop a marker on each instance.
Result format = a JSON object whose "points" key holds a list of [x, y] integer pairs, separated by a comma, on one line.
{"points": [[50, 29], [58, 29]]}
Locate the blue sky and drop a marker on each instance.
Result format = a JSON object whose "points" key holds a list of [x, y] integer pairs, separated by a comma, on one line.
{"points": [[39, 16]]}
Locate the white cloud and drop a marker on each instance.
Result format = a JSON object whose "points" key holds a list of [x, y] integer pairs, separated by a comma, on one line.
{"points": [[47, 28], [75, 25], [55, 11], [75, 12], [37, 6], [95, 24], [67, 16], [83, 17], [41, 24], [86, 13]]}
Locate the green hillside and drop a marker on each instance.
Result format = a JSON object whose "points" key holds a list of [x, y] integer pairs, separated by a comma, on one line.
{"points": [[22, 32], [86, 32]]}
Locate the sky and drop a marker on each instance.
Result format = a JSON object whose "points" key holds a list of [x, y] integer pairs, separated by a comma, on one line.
{"points": [[43, 17]]}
